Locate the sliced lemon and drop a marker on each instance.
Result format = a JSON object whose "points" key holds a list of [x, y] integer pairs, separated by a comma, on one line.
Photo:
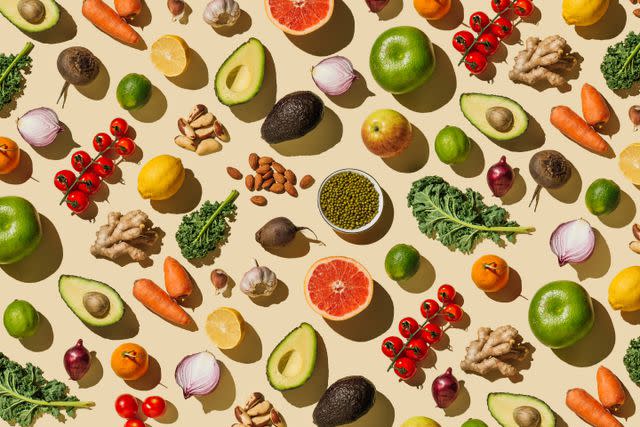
{"points": [[630, 163], [225, 327], [170, 55]]}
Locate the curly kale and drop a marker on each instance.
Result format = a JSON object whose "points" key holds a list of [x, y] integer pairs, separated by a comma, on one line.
{"points": [[25, 394], [621, 64], [631, 360], [202, 231], [11, 77], [459, 220]]}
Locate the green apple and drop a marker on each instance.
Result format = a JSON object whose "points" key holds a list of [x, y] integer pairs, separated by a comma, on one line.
{"points": [[402, 59], [420, 422], [20, 229], [561, 313], [386, 133]]}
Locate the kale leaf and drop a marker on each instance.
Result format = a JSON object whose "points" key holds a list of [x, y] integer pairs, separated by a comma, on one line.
{"points": [[621, 64], [202, 231], [459, 220], [631, 360], [11, 77]]}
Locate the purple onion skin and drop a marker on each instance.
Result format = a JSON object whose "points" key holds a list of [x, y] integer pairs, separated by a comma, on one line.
{"points": [[77, 361], [500, 177], [445, 389], [376, 6]]}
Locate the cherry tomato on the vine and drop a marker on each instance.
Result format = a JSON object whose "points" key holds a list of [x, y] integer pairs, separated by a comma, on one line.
{"points": [[125, 146], [89, 182], [126, 406], [103, 166], [153, 406], [500, 5], [118, 127], [478, 21], [475, 62], [77, 201], [405, 368], [134, 422], [501, 28], [408, 326], [429, 308], [391, 346], [487, 44], [64, 179], [446, 293], [101, 142], [452, 312], [80, 159], [523, 8], [431, 333], [462, 40], [417, 349]]}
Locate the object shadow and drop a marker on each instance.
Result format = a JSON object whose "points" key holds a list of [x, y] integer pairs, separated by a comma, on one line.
{"points": [[94, 374], [65, 30], [185, 200], [382, 414], [473, 165], [196, 76], [143, 19], [249, 350], [622, 215], [258, 107], [462, 402], [126, 328], [98, 88], [335, 35], [628, 409], [517, 190], [279, 295], [242, 25], [22, 173], [327, 134], [570, 191], [452, 19], [414, 157], [391, 10], [598, 263], [170, 414], [356, 95], [224, 395], [609, 26], [194, 300], [150, 379], [61, 146], [424, 278], [510, 292], [379, 229], [613, 125], [312, 390], [372, 322], [154, 109], [631, 317], [43, 337], [534, 137], [297, 248]]}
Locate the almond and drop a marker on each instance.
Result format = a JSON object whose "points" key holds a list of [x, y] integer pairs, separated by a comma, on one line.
{"points": [[268, 174], [263, 169], [265, 160], [277, 188], [257, 182], [249, 182], [306, 182], [253, 161], [279, 178], [290, 176], [290, 189], [267, 183], [278, 167], [234, 173], [259, 200]]}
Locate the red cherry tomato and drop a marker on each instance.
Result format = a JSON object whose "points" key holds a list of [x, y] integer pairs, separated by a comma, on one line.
{"points": [[101, 142], [446, 293], [462, 40], [118, 127], [153, 406], [452, 312], [523, 8], [77, 201], [391, 346], [475, 62], [500, 5], [134, 422], [64, 179], [487, 44], [429, 308], [478, 21], [408, 326], [417, 349], [80, 159], [431, 333], [89, 182], [405, 368], [501, 28], [103, 166], [126, 406], [125, 146]]}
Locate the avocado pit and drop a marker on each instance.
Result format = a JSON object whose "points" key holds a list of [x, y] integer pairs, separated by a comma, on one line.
{"points": [[97, 304], [32, 11]]}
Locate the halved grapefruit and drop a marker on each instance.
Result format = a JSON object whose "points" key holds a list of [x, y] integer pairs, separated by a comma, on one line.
{"points": [[338, 288], [298, 17]]}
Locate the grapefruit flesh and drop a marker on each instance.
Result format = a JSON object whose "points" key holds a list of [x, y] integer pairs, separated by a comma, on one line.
{"points": [[299, 17], [338, 288]]}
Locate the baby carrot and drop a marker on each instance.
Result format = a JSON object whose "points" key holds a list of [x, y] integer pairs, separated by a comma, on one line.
{"points": [[575, 128], [176, 279], [610, 390], [158, 301], [594, 107]]}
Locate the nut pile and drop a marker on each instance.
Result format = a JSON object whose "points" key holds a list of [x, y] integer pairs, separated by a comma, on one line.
{"points": [[258, 412], [271, 176], [201, 132]]}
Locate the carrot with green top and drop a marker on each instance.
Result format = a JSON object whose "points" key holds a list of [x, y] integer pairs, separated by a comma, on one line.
{"points": [[576, 129], [158, 301], [107, 20], [589, 409]]}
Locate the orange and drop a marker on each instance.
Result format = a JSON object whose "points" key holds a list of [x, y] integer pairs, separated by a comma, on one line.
{"points": [[432, 9], [490, 273], [130, 361], [9, 155]]}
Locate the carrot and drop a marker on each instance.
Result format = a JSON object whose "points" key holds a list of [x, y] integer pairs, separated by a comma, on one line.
{"points": [[589, 409], [158, 301], [176, 279], [610, 390], [107, 20], [575, 128], [594, 107], [128, 8]]}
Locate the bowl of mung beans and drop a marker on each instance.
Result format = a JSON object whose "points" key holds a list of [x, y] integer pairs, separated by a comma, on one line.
{"points": [[350, 201]]}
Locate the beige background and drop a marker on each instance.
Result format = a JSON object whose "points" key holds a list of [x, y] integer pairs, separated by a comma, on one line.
{"points": [[350, 347]]}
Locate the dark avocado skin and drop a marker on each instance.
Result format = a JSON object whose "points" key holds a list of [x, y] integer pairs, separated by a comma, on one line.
{"points": [[344, 402], [292, 117]]}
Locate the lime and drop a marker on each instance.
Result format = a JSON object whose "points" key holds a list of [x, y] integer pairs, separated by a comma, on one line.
{"points": [[452, 145], [402, 262], [20, 319], [602, 196], [134, 91], [474, 422]]}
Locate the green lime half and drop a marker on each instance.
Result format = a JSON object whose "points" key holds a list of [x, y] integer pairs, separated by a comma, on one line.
{"points": [[452, 145], [402, 262], [602, 196], [20, 319], [134, 91]]}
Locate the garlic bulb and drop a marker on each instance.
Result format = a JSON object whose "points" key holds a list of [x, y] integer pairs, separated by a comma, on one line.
{"points": [[221, 13], [258, 282]]}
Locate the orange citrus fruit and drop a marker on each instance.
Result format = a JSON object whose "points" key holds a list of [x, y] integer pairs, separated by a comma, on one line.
{"points": [[130, 361], [299, 17], [490, 273], [9, 155], [432, 9], [630, 163]]}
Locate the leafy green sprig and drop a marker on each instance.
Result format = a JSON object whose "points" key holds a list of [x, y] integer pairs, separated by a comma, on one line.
{"points": [[11, 69], [621, 64]]}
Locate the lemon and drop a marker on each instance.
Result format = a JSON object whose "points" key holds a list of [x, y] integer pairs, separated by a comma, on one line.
{"points": [[624, 290], [170, 55], [583, 12], [225, 327], [161, 177], [630, 163]]}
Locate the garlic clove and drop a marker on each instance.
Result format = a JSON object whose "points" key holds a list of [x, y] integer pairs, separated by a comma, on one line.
{"points": [[221, 13]]}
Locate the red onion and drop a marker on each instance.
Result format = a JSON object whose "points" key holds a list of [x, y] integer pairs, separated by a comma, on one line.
{"points": [[334, 75], [500, 177], [376, 6], [77, 361], [39, 127], [573, 242], [445, 389], [198, 374]]}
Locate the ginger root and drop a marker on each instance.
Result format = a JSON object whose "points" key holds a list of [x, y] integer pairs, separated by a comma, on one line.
{"points": [[128, 234], [493, 350], [543, 60]]}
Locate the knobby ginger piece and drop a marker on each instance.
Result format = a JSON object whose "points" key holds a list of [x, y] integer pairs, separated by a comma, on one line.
{"points": [[128, 234], [541, 60], [494, 350]]}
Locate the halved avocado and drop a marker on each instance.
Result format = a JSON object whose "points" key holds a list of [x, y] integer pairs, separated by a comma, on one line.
{"points": [[32, 16], [293, 360], [95, 303], [502, 406], [240, 76], [475, 106]]}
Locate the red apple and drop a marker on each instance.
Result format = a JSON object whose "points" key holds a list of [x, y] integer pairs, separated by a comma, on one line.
{"points": [[386, 133]]}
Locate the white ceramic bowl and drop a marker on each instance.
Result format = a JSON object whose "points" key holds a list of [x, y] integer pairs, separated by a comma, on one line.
{"points": [[371, 223]]}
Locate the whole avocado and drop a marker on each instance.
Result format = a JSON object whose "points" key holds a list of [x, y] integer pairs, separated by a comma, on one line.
{"points": [[344, 402], [292, 117]]}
